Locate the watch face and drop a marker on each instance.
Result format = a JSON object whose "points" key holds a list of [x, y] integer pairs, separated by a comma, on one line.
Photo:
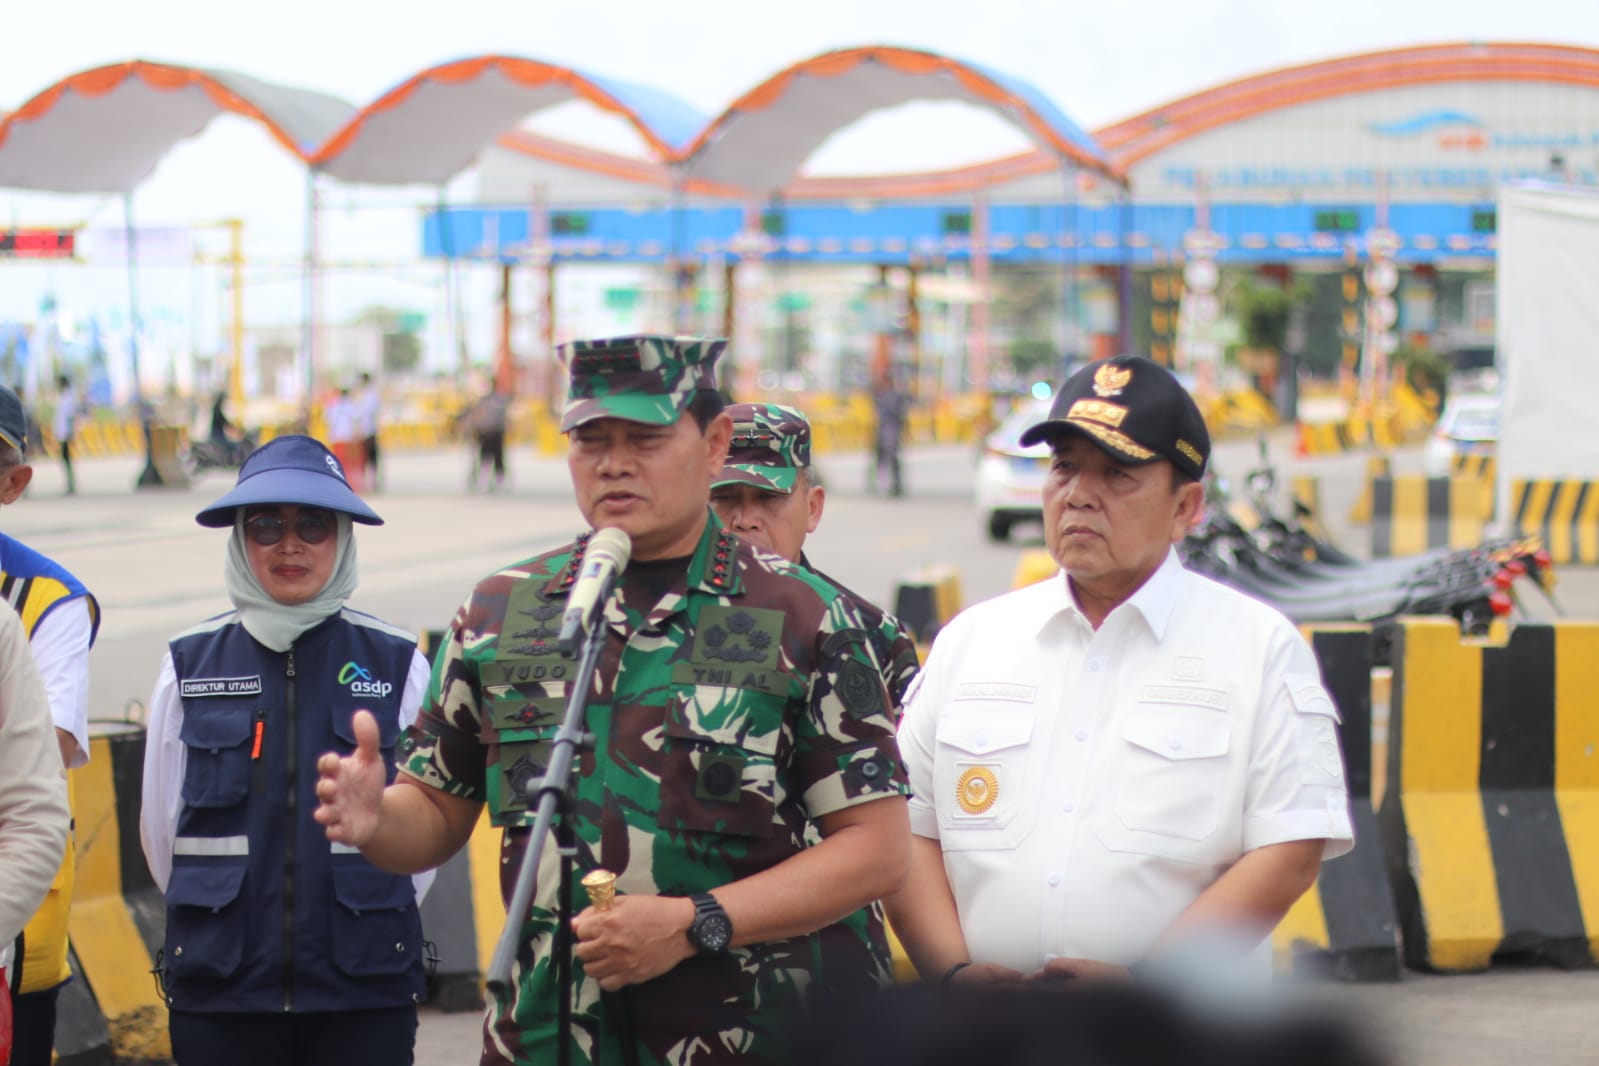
{"points": [[713, 932]]}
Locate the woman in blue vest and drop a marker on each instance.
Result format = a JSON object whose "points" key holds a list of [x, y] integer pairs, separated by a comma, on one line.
{"points": [[280, 946]]}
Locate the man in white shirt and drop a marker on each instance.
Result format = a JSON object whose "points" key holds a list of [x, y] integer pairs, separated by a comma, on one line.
{"points": [[1117, 766]]}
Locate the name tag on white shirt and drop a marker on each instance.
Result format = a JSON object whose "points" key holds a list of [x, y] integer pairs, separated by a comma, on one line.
{"points": [[996, 690], [1185, 694]]}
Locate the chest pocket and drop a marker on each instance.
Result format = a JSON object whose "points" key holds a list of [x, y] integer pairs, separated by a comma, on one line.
{"points": [[1171, 780], [980, 774], [343, 724], [526, 698], [217, 733], [719, 766]]}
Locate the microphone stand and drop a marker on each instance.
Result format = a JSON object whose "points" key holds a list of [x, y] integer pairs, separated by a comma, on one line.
{"points": [[554, 791]]}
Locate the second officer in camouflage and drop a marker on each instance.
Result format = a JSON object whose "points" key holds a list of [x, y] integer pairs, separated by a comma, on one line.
{"points": [[745, 770]]}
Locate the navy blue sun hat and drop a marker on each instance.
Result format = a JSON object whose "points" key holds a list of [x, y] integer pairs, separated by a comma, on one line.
{"points": [[292, 469]]}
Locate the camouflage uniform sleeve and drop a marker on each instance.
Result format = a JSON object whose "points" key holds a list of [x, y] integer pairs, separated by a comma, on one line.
{"points": [[442, 747], [845, 752], [896, 654]]}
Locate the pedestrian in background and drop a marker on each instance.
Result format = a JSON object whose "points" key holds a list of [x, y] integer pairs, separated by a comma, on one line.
{"points": [[68, 408], [343, 419], [487, 419], [890, 406], [60, 618], [369, 419], [280, 947]]}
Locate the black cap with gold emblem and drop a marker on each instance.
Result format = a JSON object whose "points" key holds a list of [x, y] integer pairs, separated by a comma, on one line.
{"points": [[1134, 409]]}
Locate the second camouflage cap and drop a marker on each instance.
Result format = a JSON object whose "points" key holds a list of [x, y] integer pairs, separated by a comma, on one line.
{"points": [[771, 445], [644, 378]]}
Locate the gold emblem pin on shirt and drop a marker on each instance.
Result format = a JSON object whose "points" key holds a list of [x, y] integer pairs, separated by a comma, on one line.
{"points": [[977, 790]]}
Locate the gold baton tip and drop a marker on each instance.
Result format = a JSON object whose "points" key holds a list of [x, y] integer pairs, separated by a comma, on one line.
{"points": [[601, 887]]}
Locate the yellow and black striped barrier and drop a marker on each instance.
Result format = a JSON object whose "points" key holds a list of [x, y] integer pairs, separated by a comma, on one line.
{"points": [[1412, 514], [1323, 438], [1490, 814], [926, 600], [1563, 514], [117, 919], [1346, 926], [1482, 466], [1376, 466]]}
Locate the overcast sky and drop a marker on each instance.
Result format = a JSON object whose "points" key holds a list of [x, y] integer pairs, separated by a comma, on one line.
{"points": [[1099, 62]]}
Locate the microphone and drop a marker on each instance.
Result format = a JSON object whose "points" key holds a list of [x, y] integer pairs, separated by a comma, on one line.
{"points": [[605, 558]]}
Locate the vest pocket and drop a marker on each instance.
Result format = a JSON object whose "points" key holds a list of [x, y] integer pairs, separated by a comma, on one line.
{"points": [[718, 766], [376, 927], [217, 770], [205, 921]]}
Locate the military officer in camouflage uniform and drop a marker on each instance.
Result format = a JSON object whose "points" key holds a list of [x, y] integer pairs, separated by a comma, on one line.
{"points": [[737, 704], [768, 496]]}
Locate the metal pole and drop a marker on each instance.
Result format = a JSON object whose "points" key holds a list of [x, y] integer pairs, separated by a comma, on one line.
{"points": [[131, 238], [308, 328], [236, 263]]}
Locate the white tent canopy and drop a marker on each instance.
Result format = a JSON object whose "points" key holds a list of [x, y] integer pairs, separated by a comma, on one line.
{"points": [[105, 130], [1548, 335]]}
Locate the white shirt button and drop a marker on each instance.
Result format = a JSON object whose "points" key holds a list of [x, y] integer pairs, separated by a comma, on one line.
{"points": [[1081, 734], [1068, 806], [1176, 743], [982, 740], [1054, 880], [1095, 664]]}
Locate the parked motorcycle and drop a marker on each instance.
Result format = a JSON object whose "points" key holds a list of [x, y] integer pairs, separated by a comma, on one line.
{"points": [[209, 454], [1245, 543]]}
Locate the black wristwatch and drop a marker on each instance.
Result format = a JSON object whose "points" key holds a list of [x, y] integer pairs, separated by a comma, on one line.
{"points": [[712, 930]]}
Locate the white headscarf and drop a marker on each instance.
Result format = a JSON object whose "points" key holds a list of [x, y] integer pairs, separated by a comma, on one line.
{"points": [[278, 625]]}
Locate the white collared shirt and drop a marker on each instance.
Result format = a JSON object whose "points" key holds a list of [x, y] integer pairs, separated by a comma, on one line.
{"points": [[1086, 786]]}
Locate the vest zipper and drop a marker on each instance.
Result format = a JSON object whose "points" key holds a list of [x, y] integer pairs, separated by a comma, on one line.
{"points": [[290, 758]]}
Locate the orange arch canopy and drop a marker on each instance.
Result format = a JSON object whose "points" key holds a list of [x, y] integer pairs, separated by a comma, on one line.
{"points": [[435, 123], [1135, 139], [761, 140], [104, 130]]}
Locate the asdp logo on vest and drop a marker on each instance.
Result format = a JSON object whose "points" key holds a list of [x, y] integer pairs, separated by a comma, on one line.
{"points": [[359, 680]]}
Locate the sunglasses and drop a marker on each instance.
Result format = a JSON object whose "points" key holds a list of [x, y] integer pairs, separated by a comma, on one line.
{"points": [[312, 527]]}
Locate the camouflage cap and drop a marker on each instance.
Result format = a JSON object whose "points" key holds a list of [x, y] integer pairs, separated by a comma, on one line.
{"points": [[647, 379], [771, 444]]}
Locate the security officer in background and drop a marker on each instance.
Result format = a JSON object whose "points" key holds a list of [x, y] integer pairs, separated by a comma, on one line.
{"points": [[737, 703], [768, 495], [61, 619]]}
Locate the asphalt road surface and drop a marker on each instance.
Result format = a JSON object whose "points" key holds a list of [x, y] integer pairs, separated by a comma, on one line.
{"points": [[156, 572]]}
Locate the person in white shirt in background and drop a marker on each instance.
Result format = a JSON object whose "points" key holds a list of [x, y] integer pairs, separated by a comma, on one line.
{"points": [[64, 426], [369, 418], [343, 419], [1128, 766]]}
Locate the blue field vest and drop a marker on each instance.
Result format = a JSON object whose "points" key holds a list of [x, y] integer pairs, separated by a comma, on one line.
{"points": [[263, 912]]}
